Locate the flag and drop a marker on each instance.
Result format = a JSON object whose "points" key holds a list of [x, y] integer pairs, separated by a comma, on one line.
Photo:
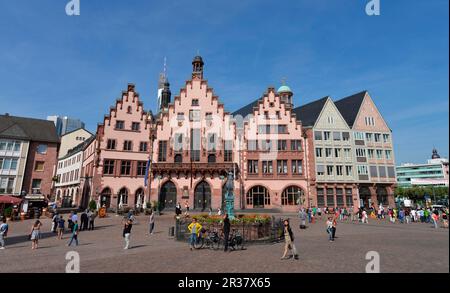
{"points": [[147, 170]]}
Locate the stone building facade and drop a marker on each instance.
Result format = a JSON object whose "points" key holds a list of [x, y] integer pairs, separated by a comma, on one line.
{"points": [[324, 153]]}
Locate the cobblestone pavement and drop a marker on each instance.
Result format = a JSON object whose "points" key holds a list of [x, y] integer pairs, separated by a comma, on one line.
{"points": [[402, 248]]}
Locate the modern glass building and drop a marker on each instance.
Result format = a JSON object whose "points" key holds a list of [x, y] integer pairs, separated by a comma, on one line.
{"points": [[65, 124], [435, 173]]}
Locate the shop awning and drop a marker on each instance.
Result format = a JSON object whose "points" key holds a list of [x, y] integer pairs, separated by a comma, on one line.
{"points": [[6, 199]]}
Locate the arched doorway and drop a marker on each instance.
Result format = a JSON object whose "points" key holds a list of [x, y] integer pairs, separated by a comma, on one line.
{"points": [[105, 198], [168, 196], [382, 196], [139, 197], [364, 195], [66, 200], [258, 196], [123, 195], [202, 196], [292, 196]]}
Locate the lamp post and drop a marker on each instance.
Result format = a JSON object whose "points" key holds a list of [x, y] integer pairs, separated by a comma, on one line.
{"points": [[159, 195], [222, 178]]}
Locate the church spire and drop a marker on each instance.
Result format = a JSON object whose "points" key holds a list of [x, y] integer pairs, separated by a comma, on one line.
{"points": [[162, 87]]}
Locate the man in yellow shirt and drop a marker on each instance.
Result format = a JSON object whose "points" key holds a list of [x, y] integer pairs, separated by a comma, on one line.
{"points": [[194, 228]]}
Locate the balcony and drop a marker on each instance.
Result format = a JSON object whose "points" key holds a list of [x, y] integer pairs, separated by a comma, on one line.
{"points": [[159, 168]]}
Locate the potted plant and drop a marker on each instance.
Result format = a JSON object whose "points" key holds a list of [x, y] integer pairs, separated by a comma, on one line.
{"points": [[8, 213], [92, 205]]}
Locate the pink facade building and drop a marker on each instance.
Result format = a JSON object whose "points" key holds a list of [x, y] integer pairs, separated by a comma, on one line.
{"points": [[115, 162], [195, 147]]}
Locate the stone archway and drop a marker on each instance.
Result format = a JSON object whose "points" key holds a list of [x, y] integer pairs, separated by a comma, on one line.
{"points": [[365, 196]]}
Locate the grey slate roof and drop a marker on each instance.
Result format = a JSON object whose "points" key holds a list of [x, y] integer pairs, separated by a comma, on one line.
{"points": [[349, 106], [244, 111], [309, 113], [28, 129]]}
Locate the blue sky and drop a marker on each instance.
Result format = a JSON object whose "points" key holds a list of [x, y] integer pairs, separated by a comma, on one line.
{"points": [[51, 63]]}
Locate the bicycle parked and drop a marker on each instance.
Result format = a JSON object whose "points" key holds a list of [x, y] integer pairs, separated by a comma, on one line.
{"points": [[208, 239]]}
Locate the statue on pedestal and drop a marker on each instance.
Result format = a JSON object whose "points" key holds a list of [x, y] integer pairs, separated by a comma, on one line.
{"points": [[229, 195]]}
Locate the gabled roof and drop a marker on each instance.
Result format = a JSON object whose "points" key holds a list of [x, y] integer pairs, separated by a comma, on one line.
{"points": [[78, 148], [80, 128], [310, 112], [349, 107], [28, 129], [244, 111]]}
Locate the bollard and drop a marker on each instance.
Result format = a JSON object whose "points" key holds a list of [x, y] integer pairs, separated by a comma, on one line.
{"points": [[172, 231]]}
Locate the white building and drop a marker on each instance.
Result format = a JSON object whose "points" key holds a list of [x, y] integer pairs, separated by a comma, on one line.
{"points": [[68, 174]]}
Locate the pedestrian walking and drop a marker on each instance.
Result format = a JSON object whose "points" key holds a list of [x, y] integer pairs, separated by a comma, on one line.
{"points": [[74, 236], [35, 234], [194, 229], [435, 218], [333, 228], [445, 218], [127, 232], [60, 228], [302, 216], [91, 215], [178, 210], [186, 207], [84, 220], [151, 222], [289, 245], [408, 216], [329, 224], [364, 218], [55, 222], [3, 232], [226, 231]]}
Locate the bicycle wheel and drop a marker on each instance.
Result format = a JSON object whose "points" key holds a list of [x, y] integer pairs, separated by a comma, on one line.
{"points": [[239, 243], [199, 243]]}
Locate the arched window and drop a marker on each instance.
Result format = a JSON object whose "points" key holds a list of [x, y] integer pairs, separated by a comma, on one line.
{"points": [[178, 158], [105, 197], [211, 158], [292, 196], [129, 110], [258, 196], [123, 194], [139, 197], [382, 196]]}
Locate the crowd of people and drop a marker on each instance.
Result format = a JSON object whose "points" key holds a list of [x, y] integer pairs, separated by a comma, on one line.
{"points": [[405, 215], [438, 217]]}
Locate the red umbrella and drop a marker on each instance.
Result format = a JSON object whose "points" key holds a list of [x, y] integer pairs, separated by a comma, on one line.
{"points": [[6, 199]]}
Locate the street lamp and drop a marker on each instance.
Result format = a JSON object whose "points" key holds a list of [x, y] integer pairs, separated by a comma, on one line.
{"points": [[159, 195]]}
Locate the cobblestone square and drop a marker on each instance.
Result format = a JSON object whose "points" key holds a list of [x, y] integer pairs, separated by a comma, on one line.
{"points": [[417, 248]]}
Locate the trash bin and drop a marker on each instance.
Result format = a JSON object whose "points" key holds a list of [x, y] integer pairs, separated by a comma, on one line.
{"points": [[172, 231]]}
